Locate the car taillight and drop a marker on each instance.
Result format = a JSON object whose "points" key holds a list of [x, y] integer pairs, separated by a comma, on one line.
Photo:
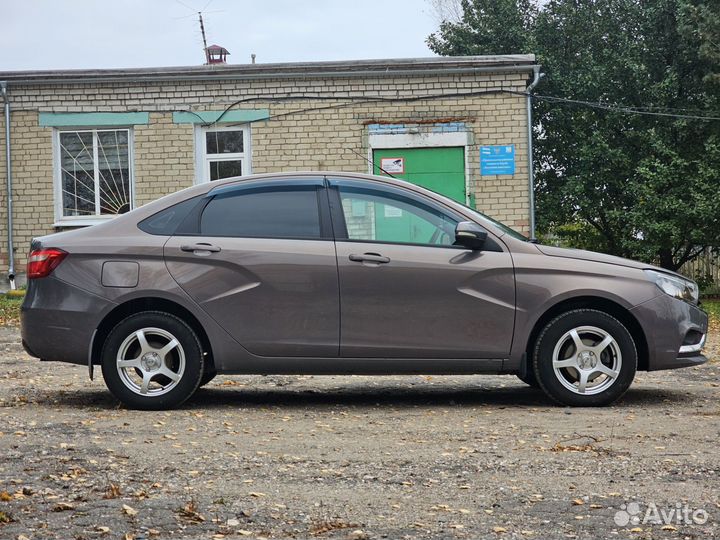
{"points": [[42, 262]]}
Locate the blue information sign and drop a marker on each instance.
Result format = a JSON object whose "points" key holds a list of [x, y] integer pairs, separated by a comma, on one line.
{"points": [[497, 160]]}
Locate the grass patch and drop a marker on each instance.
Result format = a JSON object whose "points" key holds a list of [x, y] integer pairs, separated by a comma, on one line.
{"points": [[713, 308], [10, 310]]}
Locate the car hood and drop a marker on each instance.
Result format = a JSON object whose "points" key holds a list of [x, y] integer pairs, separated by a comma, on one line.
{"points": [[592, 256]]}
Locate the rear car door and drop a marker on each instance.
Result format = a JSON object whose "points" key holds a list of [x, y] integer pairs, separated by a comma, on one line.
{"points": [[406, 291], [258, 257]]}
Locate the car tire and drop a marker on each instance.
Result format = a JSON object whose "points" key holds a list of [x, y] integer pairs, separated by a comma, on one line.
{"points": [[584, 358], [152, 361], [208, 376], [529, 379]]}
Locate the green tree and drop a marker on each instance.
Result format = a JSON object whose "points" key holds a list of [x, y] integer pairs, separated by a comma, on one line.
{"points": [[486, 27], [648, 185]]}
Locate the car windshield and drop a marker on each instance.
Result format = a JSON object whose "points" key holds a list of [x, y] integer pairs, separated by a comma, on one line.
{"points": [[483, 218]]}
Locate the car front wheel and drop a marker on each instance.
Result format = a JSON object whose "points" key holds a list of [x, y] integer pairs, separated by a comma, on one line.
{"points": [[585, 358], [152, 360]]}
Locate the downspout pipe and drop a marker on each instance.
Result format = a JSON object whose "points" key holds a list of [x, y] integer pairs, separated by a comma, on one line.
{"points": [[8, 169], [531, 171]]}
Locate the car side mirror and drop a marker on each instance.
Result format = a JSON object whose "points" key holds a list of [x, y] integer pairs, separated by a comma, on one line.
{"points": [[470, 235]]}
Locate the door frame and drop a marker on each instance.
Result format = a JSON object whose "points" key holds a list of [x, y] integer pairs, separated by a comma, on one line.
{"points": [[386, 141]]}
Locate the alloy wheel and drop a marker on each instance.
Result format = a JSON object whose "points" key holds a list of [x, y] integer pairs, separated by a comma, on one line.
{"points": [[587, 360], [150, 361]]}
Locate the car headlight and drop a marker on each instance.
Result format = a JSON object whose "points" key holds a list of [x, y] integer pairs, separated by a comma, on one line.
{"points": [[683, 289]]}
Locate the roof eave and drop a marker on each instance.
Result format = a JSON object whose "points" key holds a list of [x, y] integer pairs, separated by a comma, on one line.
{"points": [[356, 68]]}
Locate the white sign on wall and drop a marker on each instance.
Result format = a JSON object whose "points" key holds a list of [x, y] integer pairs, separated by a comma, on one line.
{"points": [[393, 165]]}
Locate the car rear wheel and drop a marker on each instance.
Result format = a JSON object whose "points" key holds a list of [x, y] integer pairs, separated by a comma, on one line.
{"points": [[585, 357], [152, 361]]}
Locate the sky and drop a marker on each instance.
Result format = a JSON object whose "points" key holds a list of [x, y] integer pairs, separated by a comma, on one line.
{"points": [[86, 34]]}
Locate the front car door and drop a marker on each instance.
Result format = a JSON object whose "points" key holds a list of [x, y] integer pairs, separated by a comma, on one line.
{"points": [[406, 291], [258, 257]]}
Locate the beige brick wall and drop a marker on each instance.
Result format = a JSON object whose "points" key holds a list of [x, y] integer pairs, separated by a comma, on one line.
{"points": [[163, 158], [32, 169], [333, 138]]}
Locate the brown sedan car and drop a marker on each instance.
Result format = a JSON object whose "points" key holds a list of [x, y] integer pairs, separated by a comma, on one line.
{"points": [[336, 273]]}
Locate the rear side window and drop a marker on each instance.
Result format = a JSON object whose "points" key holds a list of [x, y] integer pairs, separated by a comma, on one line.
{"points": [[166, 222], [278, 213]]}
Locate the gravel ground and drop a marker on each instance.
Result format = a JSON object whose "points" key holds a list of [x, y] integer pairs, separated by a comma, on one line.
{"points": [[355, 457]]}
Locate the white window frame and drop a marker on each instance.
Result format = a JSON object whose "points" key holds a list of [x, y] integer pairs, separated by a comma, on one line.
{"points": [[84, 221], [203, 159]]}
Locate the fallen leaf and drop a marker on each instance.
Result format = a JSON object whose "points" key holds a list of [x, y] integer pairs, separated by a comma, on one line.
{"points": [[636, 529], [5, 496], [668, 528], [257, 494], [63, 507], [578, 502], [102, 529], [112, 492], [190, 512], [499, 530], [129, 510]]}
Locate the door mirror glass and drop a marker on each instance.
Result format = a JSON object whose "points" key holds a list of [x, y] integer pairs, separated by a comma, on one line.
{"points": [[470, 235]]}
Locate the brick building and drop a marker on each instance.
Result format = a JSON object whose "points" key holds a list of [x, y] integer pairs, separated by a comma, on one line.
{"points": [[86, 145]]}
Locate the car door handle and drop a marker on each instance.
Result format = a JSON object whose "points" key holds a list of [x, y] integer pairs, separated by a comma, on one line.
{"points": [[369, 257], [200, 246]]}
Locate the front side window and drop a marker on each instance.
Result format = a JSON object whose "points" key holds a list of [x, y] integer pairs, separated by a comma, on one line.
{"points": [[277, 213], [376, 216], [95, 173], [224, 153]]}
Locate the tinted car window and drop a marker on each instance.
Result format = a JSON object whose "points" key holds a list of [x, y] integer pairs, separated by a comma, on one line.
{"points": [[383, 217], [281, 213], [166, 222]]}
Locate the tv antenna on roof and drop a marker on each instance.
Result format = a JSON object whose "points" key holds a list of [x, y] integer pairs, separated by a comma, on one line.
{"points": [[202, 31]]}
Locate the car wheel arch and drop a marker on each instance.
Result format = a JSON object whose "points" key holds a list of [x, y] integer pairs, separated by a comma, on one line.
{"points": [[621, 313], [137, 305]]}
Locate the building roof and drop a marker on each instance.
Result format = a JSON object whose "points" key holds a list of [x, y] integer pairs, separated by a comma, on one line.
{"points": [[350, 68]]}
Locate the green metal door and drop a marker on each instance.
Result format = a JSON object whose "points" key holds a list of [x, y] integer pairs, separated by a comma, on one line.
{"points": [[439, 169]]}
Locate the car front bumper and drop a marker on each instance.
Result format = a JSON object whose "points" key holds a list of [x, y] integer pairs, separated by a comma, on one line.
{"points": [[675, 332]]}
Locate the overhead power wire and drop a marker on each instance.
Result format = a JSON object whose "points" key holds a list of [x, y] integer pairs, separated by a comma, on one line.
{"points": [[352, 101], [641, 111]]}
